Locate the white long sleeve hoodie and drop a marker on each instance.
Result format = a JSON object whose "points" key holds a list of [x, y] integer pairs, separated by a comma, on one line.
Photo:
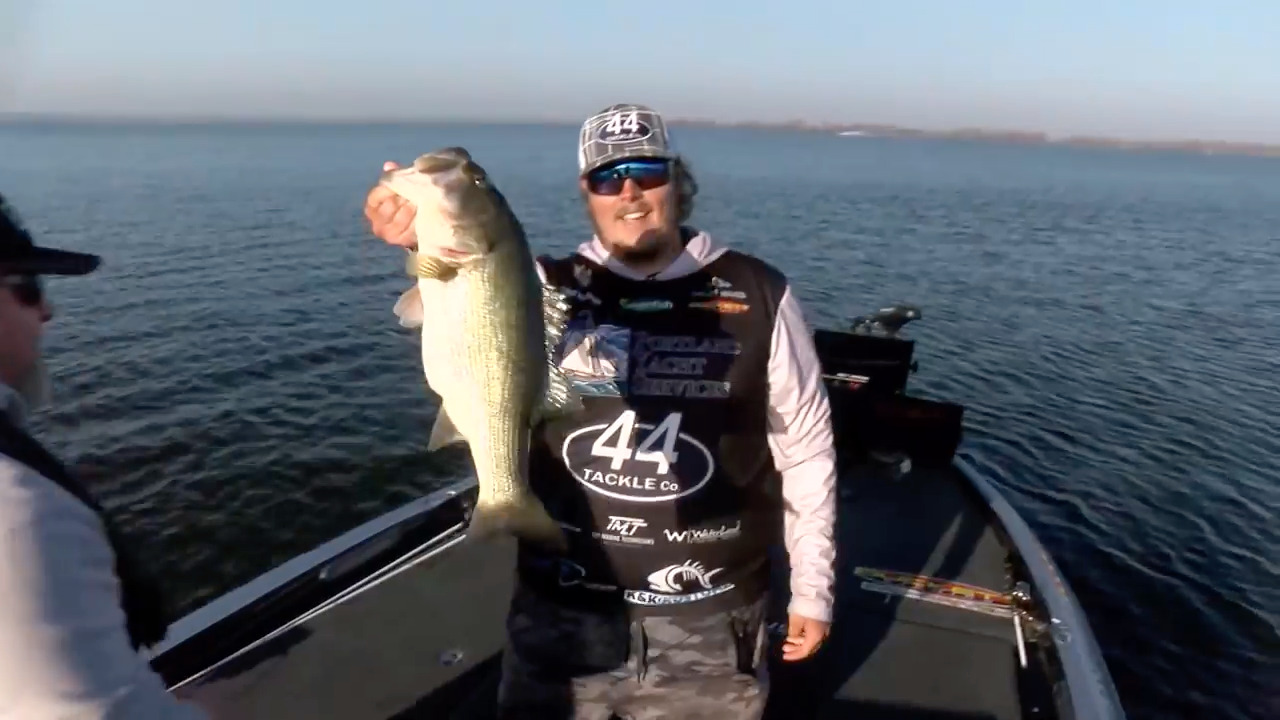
{"points": [[64, 650]]}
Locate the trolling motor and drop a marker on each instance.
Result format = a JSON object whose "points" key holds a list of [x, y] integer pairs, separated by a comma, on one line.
{"points": [[885, 322]]}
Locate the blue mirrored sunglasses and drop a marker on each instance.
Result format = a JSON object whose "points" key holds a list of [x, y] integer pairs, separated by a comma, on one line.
{"points": [[647, 174]]}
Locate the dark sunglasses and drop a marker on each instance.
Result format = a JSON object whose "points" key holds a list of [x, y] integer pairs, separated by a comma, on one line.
{"points": [[646, 174], [26, 288]]}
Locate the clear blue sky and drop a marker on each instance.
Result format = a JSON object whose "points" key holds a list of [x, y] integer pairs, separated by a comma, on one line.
{"points": [[1132, 68]]}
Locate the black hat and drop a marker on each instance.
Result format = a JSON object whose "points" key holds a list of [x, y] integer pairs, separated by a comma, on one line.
{"points": [[20, 255]]}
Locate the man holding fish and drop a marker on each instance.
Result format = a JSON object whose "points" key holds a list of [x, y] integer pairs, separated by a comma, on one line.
{"points": [[649, 423]]}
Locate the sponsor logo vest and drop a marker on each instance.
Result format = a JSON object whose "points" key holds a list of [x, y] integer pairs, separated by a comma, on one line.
{"points": [[665, 484]]}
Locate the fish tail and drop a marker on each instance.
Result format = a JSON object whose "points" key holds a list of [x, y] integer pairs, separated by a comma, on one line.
{"points": [[525, 518]]}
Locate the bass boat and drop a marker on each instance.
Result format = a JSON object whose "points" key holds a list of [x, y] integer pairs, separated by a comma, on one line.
{"points": [[947, 605]]}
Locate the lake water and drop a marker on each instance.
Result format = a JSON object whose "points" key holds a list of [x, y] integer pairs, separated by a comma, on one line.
{"points": [[236, 382]]}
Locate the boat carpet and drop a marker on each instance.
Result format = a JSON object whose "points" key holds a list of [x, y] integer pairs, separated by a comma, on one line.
{"points": [[890, 656]]}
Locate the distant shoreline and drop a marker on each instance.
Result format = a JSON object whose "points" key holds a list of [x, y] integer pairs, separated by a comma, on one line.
{"points": [[871, 130], [854, 130]]}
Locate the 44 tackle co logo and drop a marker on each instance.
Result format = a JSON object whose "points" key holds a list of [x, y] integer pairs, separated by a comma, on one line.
{"points": [[664, 465], [623, 127]]}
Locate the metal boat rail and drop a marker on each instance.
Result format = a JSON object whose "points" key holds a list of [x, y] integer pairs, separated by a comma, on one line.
{"points": [[1091, 691]]}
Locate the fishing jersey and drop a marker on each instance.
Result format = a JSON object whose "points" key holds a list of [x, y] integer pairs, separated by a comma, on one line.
{"points": [[667, 484]]}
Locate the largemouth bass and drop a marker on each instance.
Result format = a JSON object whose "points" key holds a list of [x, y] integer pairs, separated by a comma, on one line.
{"points": [[487, 324]]}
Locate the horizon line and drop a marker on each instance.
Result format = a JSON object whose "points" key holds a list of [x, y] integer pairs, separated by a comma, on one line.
{"points": [[873, 130]]}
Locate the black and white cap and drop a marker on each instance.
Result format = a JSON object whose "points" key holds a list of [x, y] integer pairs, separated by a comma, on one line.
{"points": [[622, 132]]}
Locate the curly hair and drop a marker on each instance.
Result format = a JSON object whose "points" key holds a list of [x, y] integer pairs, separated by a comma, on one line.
{"points": [[686, 189]]}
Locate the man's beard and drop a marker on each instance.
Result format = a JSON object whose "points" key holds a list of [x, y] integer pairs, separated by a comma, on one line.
{"points": [[648, 248], [36, 388], [644, 254]]}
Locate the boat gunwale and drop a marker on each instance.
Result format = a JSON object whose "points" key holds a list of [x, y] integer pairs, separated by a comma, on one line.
{"points": [[309, 562], [1090, 687]]}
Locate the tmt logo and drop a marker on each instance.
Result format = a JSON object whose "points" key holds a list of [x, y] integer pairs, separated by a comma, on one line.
{"points": [[625, 526]]}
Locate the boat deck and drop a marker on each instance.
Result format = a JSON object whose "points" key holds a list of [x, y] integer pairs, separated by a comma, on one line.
{"points": [[887, 657], [426, 645], [895, 657]]}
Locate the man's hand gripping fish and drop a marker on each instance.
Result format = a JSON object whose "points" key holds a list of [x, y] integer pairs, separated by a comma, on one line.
{"points": [[486, 344]]}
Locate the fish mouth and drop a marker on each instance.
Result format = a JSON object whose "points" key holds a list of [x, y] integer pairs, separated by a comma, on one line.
{"points": [[452, 170], [457, 250], [459, 206], [463, 184], [453, 254], [441, 161], [448, 253]]}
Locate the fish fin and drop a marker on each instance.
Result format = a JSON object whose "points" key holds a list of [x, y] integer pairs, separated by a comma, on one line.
{"points": [[443, 432], [427, 266], [555, 315], [409, 308], [523, 517], [560, 398]]}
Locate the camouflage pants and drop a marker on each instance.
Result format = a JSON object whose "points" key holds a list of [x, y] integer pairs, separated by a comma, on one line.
{"points": [[563, 664]]}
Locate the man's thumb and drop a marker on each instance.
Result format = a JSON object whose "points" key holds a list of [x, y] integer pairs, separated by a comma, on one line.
{"points": [[389, 165]]}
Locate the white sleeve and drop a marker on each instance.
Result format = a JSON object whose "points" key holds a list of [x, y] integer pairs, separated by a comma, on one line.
{"points": [[802, 444], [65, 651]]}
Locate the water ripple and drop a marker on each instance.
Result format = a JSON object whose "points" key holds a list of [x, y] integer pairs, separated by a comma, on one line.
{"points": [[234, 382]]}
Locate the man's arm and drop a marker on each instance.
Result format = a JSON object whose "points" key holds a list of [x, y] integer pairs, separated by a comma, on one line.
{"points": [[65, 652], [803, 450]]}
